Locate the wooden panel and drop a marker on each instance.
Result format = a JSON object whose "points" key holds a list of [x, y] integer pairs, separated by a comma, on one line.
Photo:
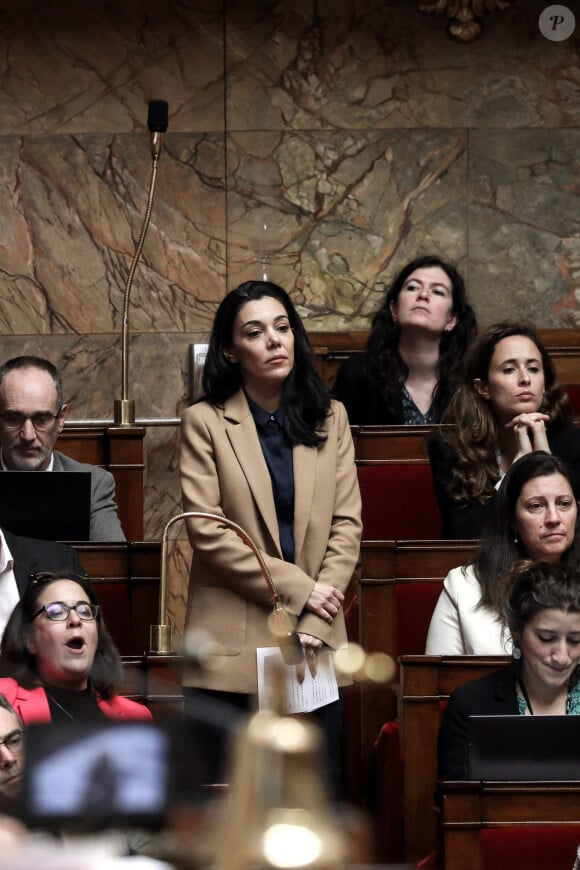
{"points": [[331, 348], [120, 450], [154, 681], [384, 564], [469, 807], [126, 578], [84, 444], [431, 559], [395, 443], [425, 682]]}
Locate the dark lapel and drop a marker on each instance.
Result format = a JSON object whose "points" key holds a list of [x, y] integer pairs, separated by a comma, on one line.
{"points": [[24, 553], [505, 691], [246, 446]]}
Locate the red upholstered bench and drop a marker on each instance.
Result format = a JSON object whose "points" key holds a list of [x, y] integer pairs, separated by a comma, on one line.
{"points": [[398, 502], [415, 603], [388, 809], [529, 847], [114, 600], [389, 795]]}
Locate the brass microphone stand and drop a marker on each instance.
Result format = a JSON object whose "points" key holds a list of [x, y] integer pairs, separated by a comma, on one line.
{"points": [[124, 408], [161, 640]]}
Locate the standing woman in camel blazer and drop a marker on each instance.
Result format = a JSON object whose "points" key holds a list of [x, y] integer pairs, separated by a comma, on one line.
{"points": [[268, 449]]}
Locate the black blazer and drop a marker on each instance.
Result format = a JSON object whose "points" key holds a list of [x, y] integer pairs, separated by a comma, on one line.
{"points": [[364, 406], [31, 555], [492, 695], [466, 519]]}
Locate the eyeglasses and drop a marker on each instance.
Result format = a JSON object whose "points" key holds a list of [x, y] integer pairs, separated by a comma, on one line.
{"points": [[58, 611], [14, 742], [41, 420]]}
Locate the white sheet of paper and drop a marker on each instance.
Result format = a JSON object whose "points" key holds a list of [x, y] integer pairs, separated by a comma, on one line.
{"points": [[312, 693]]}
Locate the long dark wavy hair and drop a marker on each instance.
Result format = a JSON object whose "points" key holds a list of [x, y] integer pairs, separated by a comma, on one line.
{"points": [[499, 550], [305, 398], [385, 368], [16, 660], [474, 435]]}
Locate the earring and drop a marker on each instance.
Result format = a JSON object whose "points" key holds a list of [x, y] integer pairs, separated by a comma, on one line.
{"points": [[516, 539], [516, 652]]}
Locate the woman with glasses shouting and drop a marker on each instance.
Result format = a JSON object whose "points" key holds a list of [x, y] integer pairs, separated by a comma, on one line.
{"points": [[57, 659]]}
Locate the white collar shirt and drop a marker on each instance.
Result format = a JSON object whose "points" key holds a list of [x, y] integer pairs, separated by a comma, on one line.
{"points": [[9, 595], [49, 467]]}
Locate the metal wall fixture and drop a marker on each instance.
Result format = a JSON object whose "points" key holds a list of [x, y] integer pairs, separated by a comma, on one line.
{"points": [[464, 15]]}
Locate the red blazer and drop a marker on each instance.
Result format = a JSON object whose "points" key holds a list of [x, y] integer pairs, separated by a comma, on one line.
{"points": [[32, 704]]}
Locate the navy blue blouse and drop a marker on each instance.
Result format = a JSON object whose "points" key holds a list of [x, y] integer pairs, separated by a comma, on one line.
{"points": [[277, 450]]}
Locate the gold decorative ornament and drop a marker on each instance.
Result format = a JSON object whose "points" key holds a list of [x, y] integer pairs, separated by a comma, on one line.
{"points": [[464, 15]]}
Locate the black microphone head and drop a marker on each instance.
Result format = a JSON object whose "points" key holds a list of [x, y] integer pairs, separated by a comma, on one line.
{"points": [[157, 117]]}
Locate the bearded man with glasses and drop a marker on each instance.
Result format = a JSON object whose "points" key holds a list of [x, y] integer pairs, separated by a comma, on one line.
{"points": [[32, 415]]}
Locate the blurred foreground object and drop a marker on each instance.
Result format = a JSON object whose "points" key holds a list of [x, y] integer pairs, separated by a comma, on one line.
{"points": [[364, 667], [278, 813]]}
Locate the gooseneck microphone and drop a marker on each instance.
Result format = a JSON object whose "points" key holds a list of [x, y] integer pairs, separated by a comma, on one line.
{"points": [[157, 120], [282, 624]]}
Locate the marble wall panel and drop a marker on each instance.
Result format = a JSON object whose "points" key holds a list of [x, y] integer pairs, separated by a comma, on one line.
{"points": [[72, 212], [524, 233], [178, 562], [91, 371], [329, 216], [92, 67], [357, 64]]}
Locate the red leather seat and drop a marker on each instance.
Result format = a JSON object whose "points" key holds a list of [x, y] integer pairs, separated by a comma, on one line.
{"points": [[389, 812], [415, 602], [398, 502], [530, 847], [573, 391]]}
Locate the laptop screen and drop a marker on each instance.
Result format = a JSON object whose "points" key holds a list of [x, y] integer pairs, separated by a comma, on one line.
{"points": [[51, 505], [523, 748]]}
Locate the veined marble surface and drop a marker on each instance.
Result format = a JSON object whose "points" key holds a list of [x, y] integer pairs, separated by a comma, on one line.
{"points": [[320, 142]]}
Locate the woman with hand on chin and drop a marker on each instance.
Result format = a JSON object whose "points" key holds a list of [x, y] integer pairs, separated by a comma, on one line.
{"points": [[542, 610], [268, 449], [508, 404], [57, 660], [414, 353]]}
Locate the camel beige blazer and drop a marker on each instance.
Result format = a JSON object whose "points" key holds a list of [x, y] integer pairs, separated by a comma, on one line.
{"points": [[223, 471]]}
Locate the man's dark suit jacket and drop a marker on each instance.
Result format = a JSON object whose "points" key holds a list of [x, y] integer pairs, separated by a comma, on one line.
{"points": [[493, 695], [31, 555]]}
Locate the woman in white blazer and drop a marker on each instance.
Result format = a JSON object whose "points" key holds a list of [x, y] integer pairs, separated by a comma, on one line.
{"points": [[533, 517]]}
